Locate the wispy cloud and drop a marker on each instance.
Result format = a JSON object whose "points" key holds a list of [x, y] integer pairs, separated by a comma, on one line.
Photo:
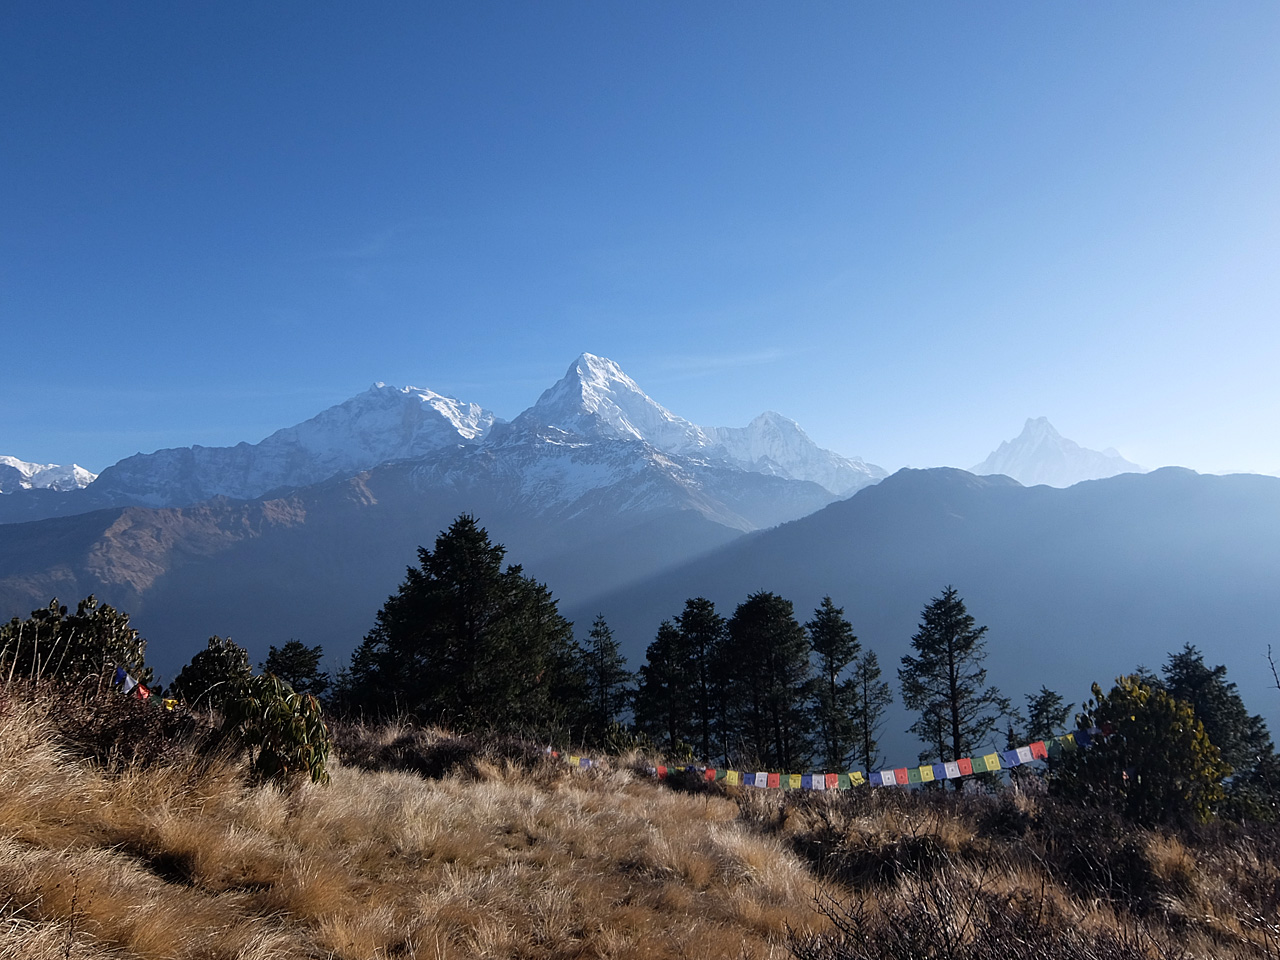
{"points": [[692, 366], [369, 246]]}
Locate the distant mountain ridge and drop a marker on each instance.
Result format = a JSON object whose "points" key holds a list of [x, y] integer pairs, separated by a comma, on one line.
{"points": [[1041, 455], [383, 423], [594, 486], [595, 398], [594, 401], [1077, 585], [18, 474]]}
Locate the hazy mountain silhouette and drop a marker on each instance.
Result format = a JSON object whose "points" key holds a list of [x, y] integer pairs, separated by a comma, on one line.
{"points": [[1076, 584]]}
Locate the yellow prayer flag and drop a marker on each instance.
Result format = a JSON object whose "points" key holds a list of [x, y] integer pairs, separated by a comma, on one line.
{"points": [[993, 761], [856, 778], [573, 761], [731, 776], [926, 773], [794, 780]]}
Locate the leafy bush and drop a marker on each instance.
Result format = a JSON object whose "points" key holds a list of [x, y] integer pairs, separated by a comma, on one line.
{"points": [[213, 673], [91, 643], [284, 730], [1155, 763]]}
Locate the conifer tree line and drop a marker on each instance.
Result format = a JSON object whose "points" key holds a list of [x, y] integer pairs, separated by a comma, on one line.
{"points": [[760, 688], [471, 644]]}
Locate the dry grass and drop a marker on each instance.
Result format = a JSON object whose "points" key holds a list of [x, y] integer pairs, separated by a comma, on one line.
{"points": [[497, 859], [1024, 877], [432, 845]]}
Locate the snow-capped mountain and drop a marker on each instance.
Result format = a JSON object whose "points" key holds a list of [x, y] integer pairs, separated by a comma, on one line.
{"points": [[774, 445], [596, 399], [588, 438], [383, 423], [18, 474], [1042, 455]]}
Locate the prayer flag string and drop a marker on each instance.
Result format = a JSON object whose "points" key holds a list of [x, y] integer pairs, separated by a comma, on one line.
{"points": [[889, 777]]}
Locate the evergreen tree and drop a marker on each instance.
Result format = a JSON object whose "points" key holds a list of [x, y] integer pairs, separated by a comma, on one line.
{"points": [[702, 635], [1155, 762], [92, 642], [1241, 737], [946, 682], [663, 698], [1047, 715], [872, 697], [299, 666], [835, 693], [214, 673], [609, 682], [769, 654], [467, 643]]}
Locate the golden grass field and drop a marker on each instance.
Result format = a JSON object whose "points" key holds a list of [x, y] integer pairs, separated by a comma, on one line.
{"points": [[512, 857]]}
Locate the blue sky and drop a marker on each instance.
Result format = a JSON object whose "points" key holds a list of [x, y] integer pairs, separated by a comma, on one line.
{"points": [[907, 226]]}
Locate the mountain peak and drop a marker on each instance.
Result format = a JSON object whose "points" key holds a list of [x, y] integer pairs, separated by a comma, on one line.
{"points": [[18, 474], [595, 398], [1039, 426], [1041, 455]]}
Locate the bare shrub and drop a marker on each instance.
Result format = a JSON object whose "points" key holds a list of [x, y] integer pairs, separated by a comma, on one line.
{"points": [[966, 918]]}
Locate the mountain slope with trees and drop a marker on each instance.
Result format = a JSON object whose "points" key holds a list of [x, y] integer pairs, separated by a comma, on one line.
{"points": [[1075, 585]]}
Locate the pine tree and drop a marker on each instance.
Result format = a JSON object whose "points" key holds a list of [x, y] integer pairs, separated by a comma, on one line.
{"points": [[609, 682], [769, 653], [1242, 738], [946, 683], [1047, 715], [872, 698], [663, 698], [835, 693], [702, 636], [467, 643], [299, 666]]}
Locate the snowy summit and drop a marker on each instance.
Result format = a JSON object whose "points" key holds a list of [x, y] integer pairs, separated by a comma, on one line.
{"points": [[595, 399], [18, 474], [1041, 455], [587, 415]]}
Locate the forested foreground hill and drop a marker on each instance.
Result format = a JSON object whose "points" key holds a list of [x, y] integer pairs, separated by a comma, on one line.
{"points": [[133, 840], [1076, 585]]}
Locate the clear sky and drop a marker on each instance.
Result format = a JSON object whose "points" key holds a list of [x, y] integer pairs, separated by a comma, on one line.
{"points": [[907, 226]]}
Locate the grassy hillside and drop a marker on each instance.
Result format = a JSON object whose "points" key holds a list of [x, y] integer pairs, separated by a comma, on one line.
{"points": [[125, 832]]}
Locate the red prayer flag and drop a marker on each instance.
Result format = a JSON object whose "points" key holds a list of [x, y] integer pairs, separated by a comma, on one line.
{"points": [[1039, 750], [774, 780], [710, 774], [141, 692], [902, 776], [662, 773], [966, 766], [833, 781]]}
